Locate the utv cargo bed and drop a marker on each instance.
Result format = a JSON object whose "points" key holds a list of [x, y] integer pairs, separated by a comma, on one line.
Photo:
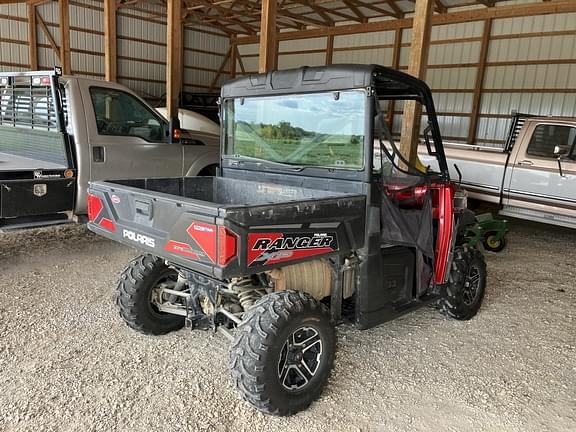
{"points": [[226, 227]]}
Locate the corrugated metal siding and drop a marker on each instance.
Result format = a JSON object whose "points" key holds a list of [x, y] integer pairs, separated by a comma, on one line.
{"points": [[381, 56], [204, 55], [141, 45], [14, 35]]}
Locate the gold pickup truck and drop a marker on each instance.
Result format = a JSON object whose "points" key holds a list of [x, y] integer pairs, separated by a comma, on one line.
{"points": [[533, 177]]}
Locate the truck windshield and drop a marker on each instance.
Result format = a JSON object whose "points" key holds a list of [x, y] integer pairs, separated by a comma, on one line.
{"points": [[320, 129]]}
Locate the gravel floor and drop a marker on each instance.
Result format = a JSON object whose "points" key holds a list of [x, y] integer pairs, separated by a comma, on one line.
{"points": [[68, 363]]}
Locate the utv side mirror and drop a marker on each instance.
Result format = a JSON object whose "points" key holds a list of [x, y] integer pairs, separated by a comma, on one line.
{"points": [[559, 155], [175, 132]]}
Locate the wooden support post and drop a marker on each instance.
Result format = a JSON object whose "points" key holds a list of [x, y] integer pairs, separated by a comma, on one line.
{"points": [[65, 58], [110, 48], [329, 49], [174, 60], [233, 59], [268, 54], [417, 67], [32, 37], [395, 65], [480, 74]]}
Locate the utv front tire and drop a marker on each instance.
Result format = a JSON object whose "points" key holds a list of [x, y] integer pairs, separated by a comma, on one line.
{"points": [[283, 353], [467, 284], [134, 296]]}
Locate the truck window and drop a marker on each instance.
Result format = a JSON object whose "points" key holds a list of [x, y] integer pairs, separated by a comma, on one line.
{"points": [[120, 114], [546, 137]]}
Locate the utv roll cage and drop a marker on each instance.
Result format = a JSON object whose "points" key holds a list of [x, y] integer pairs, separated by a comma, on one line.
{"points": [[380, 82]]}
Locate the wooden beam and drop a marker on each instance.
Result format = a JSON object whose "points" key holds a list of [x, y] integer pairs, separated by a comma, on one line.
{"points": [[65, 58], [221, 68], [32, 37], [48, 35], [416, 67], [361, 17], [530, 9], [399, 13], [329, 49], [110, 41], [480, 74], [233, 60], [268, 53], [440, 7], [395, 65], [174, 54], [240, 61]]}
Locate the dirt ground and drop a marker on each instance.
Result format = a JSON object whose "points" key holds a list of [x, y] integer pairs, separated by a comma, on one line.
{"points": [[68, 362]]}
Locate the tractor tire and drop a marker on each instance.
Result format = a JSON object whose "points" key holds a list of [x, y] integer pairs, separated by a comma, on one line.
{"points": [[134, 296], [283, 353], [491, 244], [467, 284]]}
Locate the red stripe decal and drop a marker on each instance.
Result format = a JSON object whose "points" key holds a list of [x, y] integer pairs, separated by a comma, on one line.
{"points": [[205, 235], [179, 248]]}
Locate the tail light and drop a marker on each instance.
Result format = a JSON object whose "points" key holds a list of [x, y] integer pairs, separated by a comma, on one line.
{"points": [[227, 245], [41, 81], [95, 207]]}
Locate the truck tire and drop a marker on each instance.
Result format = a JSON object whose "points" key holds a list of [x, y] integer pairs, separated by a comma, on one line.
{"points": [[283, 353], [134, 292], [467, 284], [209, 171]]}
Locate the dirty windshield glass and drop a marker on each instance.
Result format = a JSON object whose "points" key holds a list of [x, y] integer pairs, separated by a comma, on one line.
{"points": [[322, 129]]}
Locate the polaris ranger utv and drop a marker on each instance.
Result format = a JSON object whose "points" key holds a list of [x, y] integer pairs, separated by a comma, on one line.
{"points": [[315, 219]]}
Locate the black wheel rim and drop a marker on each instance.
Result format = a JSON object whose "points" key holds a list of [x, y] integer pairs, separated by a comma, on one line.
{"points": [[300, 358], [471, 285]]}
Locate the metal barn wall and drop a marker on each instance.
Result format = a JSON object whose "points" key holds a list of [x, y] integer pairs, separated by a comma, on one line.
{"points": [[530, 67], [141, 46], [13, 37]]}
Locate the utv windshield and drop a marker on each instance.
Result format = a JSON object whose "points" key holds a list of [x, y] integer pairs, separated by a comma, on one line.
{"points": [[320, 129]]}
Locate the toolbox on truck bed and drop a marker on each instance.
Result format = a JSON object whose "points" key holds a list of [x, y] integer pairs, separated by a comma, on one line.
{"points": [[226, 227]]}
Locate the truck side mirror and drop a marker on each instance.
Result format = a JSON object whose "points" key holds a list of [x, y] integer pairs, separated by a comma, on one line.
{"points": [[175, 132], [559, 155]]}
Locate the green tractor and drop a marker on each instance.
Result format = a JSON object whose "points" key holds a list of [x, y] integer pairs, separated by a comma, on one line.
{"points": [[487, 230]]}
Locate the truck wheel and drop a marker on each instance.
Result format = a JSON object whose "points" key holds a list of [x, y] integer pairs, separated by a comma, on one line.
{"points": [[134, 296], [467, 284], [283, 353], [209, 171], [492, 244]]}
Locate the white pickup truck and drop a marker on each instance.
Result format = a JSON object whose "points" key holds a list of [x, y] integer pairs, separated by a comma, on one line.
{"points": [[57, 133], [533, 177]]}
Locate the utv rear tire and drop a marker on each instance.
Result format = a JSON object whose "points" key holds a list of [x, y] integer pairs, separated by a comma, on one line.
{"points": [[283, 353], [134, 295], [467, 284]]}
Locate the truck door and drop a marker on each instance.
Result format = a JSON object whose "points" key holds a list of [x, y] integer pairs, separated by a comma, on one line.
{"points": [[128, 139], [537, 187]]}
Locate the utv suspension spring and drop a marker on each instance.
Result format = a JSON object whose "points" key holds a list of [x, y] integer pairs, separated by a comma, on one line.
{"points": [[247, 293]]}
